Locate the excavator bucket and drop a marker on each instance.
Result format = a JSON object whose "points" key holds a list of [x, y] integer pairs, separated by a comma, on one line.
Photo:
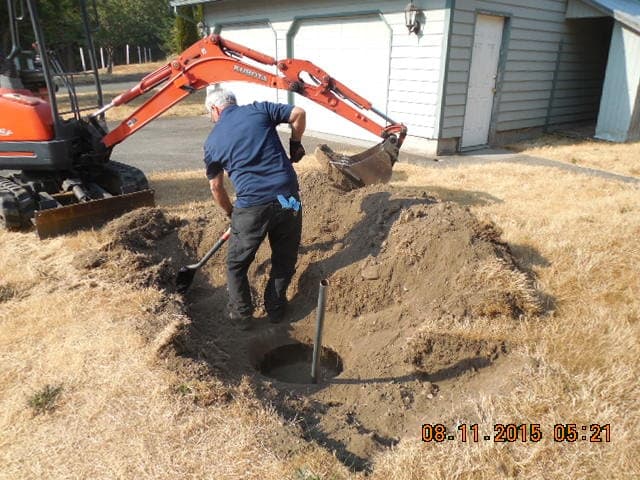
{"points": [[372, 166], [58, 221]]}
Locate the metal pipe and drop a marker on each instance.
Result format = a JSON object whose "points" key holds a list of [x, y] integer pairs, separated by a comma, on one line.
{"points": [[46, 67], [317, 346], [15, 38], [92, 52]]}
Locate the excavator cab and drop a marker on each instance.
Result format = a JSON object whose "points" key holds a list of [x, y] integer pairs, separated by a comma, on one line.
{"points": [[56, 174]]}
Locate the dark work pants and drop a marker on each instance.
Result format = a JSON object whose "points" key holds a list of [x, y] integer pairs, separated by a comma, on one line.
{"points": [[249, 227]]}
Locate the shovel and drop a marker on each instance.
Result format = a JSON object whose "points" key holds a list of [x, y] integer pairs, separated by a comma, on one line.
{"points": [[186, 274]]}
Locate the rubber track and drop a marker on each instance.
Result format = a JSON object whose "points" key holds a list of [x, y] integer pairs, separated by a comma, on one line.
{"points": [[129, 175], [16, 205]]}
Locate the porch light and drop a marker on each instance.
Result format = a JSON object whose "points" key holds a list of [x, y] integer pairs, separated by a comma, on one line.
{"points": [[410, 20]]}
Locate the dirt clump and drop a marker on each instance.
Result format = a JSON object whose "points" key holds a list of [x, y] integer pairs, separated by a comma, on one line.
{"points": [[142, 250], [139, 250]]}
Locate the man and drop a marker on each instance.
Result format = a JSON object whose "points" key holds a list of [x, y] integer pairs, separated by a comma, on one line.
{"points": [[245, 144]]}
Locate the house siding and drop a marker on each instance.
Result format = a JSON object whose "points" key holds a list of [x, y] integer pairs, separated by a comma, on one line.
{"points": [[552, 69], [416, 66]]}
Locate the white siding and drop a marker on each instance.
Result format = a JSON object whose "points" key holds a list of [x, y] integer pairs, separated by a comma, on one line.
{"points": [[415, 63]]}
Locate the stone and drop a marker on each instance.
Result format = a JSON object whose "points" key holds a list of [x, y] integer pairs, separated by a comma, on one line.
{"points": [[371, 272]]}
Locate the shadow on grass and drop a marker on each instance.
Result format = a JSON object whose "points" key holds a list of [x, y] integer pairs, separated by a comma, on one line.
{"points": [[467, 198], [528, 258]]}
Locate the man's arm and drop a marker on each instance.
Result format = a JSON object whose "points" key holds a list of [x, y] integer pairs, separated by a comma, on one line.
{"points": [[220, 195], [298, 122]]}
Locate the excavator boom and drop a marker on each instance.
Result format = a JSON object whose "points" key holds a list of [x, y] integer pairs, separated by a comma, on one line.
{"points": [[214, 59]]}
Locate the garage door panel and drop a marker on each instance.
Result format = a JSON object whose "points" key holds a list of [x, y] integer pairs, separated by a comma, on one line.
{"points": [[259, 37], [355, 51]]}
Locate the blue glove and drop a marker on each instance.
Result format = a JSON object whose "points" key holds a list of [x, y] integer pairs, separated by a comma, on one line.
{"points": [[291, 203]]}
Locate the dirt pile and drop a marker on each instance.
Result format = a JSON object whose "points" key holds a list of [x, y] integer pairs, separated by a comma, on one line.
{"points": [[142, 251], [404, 271]]}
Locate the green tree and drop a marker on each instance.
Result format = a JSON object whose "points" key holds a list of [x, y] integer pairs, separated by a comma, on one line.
{"points": [[133, 22], [59, 21], [185, 31]]}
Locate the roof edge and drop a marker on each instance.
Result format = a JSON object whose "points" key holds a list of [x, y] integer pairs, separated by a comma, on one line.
{"points": [[628, 20]]}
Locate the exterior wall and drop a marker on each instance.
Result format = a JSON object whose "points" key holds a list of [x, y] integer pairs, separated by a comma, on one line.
{"points": [[416, 62], [618, 119], [578, 9], [580, 70], [551, 69]]}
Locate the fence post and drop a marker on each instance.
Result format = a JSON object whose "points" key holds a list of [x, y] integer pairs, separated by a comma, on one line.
{"points": [[127, 54], [84, 66]]}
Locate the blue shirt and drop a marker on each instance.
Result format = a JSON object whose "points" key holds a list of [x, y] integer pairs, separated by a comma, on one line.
{"points": [[245, 144]]}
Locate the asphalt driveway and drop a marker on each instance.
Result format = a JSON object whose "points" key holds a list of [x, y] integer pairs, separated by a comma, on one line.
{"points": [[175, 143]]}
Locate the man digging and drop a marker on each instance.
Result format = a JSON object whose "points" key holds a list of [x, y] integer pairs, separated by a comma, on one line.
{"points": [[245, 144]]}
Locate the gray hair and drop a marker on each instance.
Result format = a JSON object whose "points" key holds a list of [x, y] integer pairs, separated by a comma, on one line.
{"points": [[218, 97]]}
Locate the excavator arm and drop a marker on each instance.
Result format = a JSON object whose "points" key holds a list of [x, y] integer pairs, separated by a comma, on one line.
{"points": [[214, 59]]}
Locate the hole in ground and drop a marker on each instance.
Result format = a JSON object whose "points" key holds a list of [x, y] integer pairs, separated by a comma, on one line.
{"points": [[292, 363]]}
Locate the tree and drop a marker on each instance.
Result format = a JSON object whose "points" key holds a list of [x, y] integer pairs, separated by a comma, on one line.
{"points": [[59, 21], [133, 22], [185, 31]]}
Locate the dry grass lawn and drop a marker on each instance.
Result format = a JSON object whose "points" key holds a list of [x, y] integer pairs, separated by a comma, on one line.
{"points": [[118, 414], [132, 69], [622, 158]]}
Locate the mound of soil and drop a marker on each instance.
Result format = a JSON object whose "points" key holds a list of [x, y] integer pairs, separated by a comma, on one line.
{"points": [[403, 269]]}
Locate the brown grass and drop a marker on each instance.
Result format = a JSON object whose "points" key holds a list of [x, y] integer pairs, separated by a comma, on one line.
{"points": [[622, 158], [133, 69], [119, 415], [191, 106]]}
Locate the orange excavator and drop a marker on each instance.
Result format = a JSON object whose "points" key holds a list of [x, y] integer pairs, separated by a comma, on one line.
{"points": [[66, 178]]}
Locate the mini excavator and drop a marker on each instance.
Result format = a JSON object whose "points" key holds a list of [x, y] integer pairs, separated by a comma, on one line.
{"points": [[65, 178]]}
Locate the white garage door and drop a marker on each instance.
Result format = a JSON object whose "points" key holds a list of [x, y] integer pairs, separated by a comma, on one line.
{"points": [[261, 38], [353, 50]]}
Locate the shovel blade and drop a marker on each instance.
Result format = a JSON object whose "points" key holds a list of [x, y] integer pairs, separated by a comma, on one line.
{"points": [[58, 221], [184, 279], [370, 167]]}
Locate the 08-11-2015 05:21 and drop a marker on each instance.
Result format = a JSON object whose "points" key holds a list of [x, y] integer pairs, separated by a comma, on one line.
{"points": [[511, 432]]}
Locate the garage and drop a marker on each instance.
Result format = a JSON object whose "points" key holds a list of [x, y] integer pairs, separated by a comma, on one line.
{"points": [[260, 37], [355, 51]]}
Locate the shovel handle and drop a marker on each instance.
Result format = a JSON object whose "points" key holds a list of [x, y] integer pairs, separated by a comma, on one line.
{"points": [[225, 236]]}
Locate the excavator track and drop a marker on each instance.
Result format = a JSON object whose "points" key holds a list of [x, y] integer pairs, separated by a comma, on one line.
{"points": [[16, 205], [120, 178], [127, 189]]}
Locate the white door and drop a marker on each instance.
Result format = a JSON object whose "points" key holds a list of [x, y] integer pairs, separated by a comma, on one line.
{"points": [[354, 51], [259, 37], [482, 80]]}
